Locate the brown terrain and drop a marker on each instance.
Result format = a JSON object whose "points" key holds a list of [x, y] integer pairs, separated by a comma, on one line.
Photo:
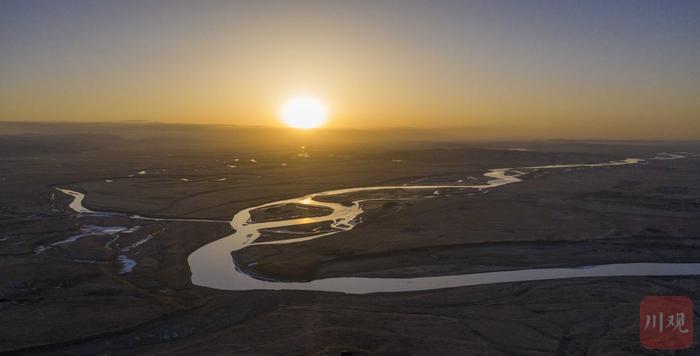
{"points": [[79, 297]]}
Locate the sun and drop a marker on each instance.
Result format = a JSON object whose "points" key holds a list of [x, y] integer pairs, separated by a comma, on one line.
{"points": [[304, 112]]}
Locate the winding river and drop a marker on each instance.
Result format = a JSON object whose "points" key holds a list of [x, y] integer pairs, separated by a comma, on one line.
{"points": [[212, 265]]}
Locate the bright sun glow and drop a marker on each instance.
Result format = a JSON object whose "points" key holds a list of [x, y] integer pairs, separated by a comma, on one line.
{"points": [[304, 112]]}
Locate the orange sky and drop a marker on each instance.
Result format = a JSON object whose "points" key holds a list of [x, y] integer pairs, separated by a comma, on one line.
{"points": [[619, 71]]}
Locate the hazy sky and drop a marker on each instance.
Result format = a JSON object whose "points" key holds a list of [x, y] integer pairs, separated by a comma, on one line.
{"points": [[549, 68]]}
